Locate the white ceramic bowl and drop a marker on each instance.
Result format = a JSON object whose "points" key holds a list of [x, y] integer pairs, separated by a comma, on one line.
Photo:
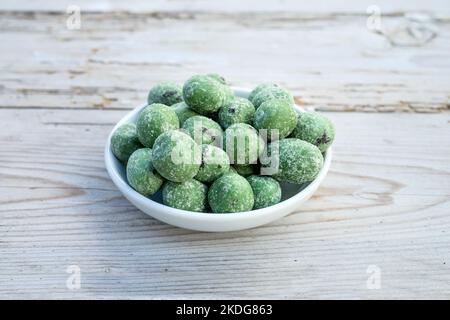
{"points": [[293, 195]]}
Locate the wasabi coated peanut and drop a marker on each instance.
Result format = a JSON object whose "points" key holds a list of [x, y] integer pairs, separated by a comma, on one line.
{"points": [[141, 174], [244, 170], [190, 195], [277, 116], [154, 120], [215, 162], [259, 88], [203, 130], [167, 93], [183, 112], [124, 141], [270, 93], [237, 110], [242, 143], [314, 128], [298, 161], [176, 156], [203, 94], [266, 190], [230, 193]]}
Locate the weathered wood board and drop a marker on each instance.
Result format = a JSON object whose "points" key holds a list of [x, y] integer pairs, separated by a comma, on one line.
{"points": [[330, 60], [384, 206], [384, 203]]}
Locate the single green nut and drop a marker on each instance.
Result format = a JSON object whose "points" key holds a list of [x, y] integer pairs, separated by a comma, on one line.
{"points": [[215, 162], [314, 128], [183, 112], [190, 195], [167, 93], [270, 93], [154, 120], [141, 174], [266, 190], [237, 110], [203, 94], [292, 160], [176, 156], [124, 141], [277, 116], [243, 144], [203, 130], [260, 88], [230, 193], [244, 170]]}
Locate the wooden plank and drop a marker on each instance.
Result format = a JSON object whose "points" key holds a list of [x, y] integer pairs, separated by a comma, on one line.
{"points": [[437, 7], [330, 60], [384, 203]]}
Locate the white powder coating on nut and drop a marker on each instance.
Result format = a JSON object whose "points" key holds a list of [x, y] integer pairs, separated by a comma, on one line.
{"points": [[189, 195], [176, 156], [231, 193], [299, 161]]}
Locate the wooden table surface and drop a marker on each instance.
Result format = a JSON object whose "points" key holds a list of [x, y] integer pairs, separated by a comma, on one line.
{"points": [[378, 227]]}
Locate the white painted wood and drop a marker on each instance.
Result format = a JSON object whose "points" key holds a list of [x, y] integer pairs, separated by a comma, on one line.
{"points": [[329, 60], [384, 203], [437, 7]]}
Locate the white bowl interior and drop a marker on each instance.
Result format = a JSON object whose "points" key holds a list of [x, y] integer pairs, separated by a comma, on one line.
{"points": [[292, 195]]}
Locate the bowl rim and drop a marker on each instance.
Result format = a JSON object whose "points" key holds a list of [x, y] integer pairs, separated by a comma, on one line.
{"points": [[124, 187]]}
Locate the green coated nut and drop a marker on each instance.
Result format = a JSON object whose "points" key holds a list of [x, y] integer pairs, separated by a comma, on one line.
{"points": [[243, 144], [190, 195], [270, 93], [203, 94], [314, 128], [260, 88], [244, 170], [294, 160], [215, 162], [203, 130], [124, 141], [154, 120], [276, 116], [237, 110], [176, 156], [266, 190], [230, 193], [183, 112], [167, 93], [141, 174]]}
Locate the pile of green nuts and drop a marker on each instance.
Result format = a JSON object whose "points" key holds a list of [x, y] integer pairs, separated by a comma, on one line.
{"points": [[211, 151]]}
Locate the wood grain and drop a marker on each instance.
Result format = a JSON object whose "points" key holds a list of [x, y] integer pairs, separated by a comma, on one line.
{"points": [[325, 54], [385, 203]]}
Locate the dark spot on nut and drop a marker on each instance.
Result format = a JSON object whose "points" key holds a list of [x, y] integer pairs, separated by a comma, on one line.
{"points": [[170, 94], [323, 139], [232, 110]]}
